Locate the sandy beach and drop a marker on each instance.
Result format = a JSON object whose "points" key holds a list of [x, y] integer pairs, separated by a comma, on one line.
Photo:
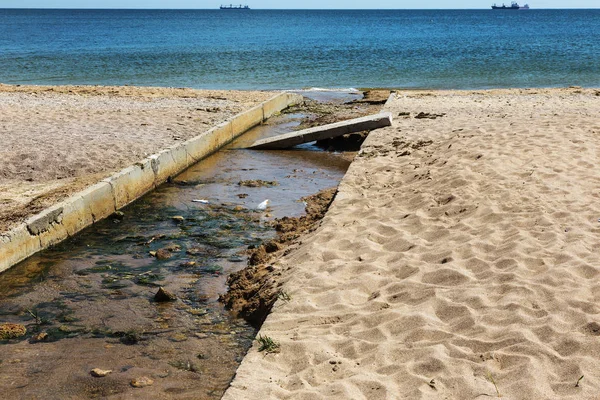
{"points": [[57, 140], [459, 259]]}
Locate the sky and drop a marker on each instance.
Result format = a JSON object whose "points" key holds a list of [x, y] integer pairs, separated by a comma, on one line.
{"points": [[293, 4]]}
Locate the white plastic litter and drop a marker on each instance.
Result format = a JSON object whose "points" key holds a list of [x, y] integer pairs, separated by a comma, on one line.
{"points": [[201, 201], [263, 205]]}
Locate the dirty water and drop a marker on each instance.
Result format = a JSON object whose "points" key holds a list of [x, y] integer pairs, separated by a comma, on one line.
{"points": [[91, 297]]}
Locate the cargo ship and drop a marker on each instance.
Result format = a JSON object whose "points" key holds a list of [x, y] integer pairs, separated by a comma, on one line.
{"points": [[234, 7], [513, 6]]}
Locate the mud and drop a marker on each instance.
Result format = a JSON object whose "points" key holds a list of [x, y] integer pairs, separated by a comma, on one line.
{"points": [[253, 290]]}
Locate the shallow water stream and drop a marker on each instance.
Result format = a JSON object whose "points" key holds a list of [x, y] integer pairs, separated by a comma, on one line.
{"points": [[92, 295]]}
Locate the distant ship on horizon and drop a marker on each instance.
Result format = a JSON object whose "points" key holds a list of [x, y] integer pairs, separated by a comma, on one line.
{"points": [[234, 7], [513, 6]]}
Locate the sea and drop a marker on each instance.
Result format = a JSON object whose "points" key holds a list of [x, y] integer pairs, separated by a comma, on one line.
{"points": [[302, 49]]}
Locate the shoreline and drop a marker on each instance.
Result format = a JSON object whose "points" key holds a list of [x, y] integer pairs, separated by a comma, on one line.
{"points": [[460, 247]]}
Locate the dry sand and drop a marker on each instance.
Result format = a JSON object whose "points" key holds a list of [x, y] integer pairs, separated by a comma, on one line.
{"points": [[56, 140], [460, 251]]}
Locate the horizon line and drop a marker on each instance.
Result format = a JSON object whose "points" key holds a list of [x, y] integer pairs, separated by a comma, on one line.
{"points": [[286, 9]]}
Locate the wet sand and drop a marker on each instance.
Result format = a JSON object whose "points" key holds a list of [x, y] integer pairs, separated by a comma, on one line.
{"points": [[458, 260], [57, 140]]}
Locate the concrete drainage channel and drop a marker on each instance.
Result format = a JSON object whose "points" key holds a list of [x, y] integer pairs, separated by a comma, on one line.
{"points": [[65, 219], [87, 303]]}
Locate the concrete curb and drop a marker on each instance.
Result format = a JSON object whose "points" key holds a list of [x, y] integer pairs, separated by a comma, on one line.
{"points": [[70, 216], [329, 131]]}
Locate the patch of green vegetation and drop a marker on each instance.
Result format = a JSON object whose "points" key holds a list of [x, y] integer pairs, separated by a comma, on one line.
{"points": [[267, 344], [185, 365], [64, 332], [130, 337], [284, 296], [148, 279], [114, 282], [491, 378]]}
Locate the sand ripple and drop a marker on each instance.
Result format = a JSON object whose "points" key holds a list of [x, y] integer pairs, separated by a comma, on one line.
{"points": [[460, 250]]}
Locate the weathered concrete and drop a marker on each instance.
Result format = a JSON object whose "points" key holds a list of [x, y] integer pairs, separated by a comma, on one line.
{"points": [[281, 102], [132, 182], [324, 132], [246, 121], [209, 141], [48, 226], [17, 244], [97, 202]]}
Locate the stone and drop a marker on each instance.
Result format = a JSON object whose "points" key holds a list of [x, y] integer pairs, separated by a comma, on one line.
{"points": [[99, 373], [163, 254], [194, 251], [188, 264], [271, 246], [178, 337], [40, 337], [141, 382], [163, 296], [118, 215]]}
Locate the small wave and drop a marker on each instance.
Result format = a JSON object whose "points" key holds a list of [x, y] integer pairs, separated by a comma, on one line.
{"points": [[318, 89]]}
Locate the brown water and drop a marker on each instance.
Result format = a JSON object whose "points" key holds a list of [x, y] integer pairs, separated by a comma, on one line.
{"points": [[93, 294]]}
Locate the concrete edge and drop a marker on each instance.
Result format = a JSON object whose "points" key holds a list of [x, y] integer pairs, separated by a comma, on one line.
{"points": [[286, 140], [97, 202]]}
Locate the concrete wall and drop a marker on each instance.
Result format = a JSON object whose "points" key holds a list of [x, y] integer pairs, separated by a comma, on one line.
{"points": [[101, 200]]}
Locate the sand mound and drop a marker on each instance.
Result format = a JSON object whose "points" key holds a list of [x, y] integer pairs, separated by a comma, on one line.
{"points": [[460, 255]]}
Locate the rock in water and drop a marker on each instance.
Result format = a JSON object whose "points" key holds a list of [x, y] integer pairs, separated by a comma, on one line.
{"points": [[118, 215], [12, 331], [141, 382], [162, 296], [40, 337], [163, 254], [99, 373]]}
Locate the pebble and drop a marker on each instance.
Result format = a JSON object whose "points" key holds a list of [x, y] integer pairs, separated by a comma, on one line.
{"points": [[99, 373], [163, 295], [163, 254], [188, 264], [141, 382], [178, 337], [40, 337]]}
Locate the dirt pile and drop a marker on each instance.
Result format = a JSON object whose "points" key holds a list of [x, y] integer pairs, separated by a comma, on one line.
{"points": [[253, 290]]}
